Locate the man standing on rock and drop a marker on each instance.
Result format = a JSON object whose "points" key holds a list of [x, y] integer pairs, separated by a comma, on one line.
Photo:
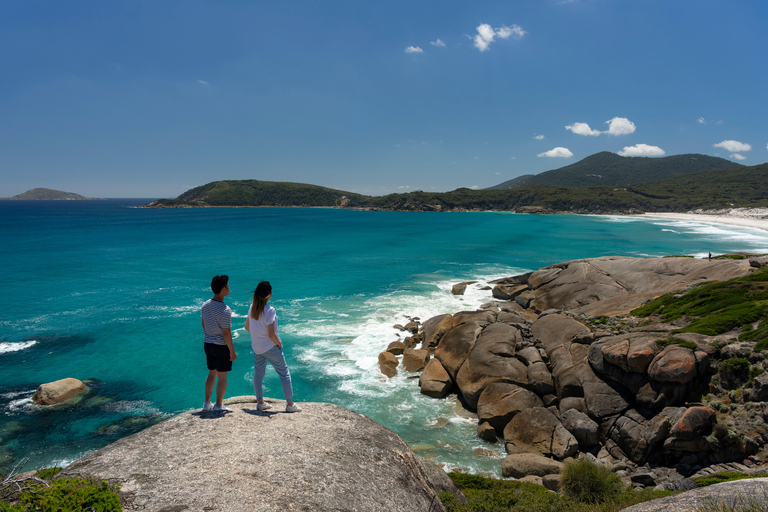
{"points": [[219, 350]]}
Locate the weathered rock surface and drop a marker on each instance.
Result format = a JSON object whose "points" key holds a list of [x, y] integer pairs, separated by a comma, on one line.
{"points": [[730, 494], [434, 381], [501, 401], [388, 364], [58, 392], [537, 430], [522, 464], [614, 285], [415, 360], [491, 359], [323, 458]]}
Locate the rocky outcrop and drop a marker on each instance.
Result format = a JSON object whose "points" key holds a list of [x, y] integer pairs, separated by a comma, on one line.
{"points": [[58, 392], [555, 382], [323, 458], [616, 285]]}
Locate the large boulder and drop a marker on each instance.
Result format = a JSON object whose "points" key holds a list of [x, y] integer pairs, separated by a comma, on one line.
{"points": [[638, 432], [537, 430], [695, 422], [414, 360], [434, 381], [583, 428], [58, 392], [501, 401], [492, 359], [614, 285], [388, 364], [520, 465], [673, 364], [455, 346], [435, 328], [323, 458]]}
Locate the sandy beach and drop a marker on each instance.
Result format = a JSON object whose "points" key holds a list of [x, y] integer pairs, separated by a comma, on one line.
{"points": [[745, 217]]}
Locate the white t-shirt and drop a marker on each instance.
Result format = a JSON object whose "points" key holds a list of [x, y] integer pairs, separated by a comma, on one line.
{"points": [[260, 340]]}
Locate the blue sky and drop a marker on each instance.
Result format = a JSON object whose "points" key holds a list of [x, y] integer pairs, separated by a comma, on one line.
{"points": [[150, 98]]}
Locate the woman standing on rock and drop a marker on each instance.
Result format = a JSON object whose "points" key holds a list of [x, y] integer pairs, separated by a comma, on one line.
{"points": [[267, 347]]}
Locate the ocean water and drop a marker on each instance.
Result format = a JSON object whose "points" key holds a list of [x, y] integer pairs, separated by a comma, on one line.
{"points": [[105, 291]]}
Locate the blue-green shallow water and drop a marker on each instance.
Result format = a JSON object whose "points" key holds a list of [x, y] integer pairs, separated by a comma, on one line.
{"points": [[105, 291]]}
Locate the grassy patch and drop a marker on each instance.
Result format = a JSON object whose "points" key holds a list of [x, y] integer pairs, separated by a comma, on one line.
{"points": [[492, 495], [676, 341], [716, 308], [718, 478], [77, 494]]}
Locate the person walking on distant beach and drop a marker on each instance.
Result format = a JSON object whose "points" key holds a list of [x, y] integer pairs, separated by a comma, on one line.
{"points": [[219, 350], [267, 347]]}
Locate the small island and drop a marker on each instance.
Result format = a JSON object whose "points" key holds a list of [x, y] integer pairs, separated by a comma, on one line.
{"points": [[46, 194]]}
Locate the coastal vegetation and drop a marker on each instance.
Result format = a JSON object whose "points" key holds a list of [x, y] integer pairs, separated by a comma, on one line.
{"points": [[586, 488], [45, 492], [716, 308], [712, 189]]}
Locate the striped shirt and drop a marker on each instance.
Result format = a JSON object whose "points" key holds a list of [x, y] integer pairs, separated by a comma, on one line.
{"points": [[216, 316]]}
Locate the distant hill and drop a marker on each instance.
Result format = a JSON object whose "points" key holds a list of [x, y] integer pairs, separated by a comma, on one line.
{"points": [[739, 187], [46, 194], [258, 193], [610, 169]]}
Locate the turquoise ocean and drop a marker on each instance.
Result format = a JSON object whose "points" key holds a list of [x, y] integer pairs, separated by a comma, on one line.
{"points": [[106, 291]]}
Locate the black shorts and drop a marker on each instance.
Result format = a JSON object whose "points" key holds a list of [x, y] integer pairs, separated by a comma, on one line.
{"points": [[217, 357]]}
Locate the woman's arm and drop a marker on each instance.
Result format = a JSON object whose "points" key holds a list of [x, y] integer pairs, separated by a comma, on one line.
{"points": [[273, 335], [246, 323]]}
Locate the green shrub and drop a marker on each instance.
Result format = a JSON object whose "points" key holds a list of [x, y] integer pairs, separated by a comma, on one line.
{"points": [[676, 341], [47, 473], [589, 483], [70, 495], [727, 476]]}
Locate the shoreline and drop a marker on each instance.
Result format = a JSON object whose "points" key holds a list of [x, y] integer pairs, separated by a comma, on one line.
{"points": [[745, 220]]}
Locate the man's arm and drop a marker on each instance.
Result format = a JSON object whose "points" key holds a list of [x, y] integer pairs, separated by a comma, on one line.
{"points": [[228, 339]]}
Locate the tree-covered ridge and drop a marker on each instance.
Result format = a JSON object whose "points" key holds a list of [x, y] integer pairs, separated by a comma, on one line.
{"points": [[610, 169], [741, 187], [260, 193]]}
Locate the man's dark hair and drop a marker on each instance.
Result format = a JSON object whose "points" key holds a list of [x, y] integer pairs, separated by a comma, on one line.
{"points": [[218, 283]]}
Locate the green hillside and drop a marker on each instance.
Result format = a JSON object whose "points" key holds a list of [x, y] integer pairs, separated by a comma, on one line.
{"points": [[739, 187], [259, 193], [610, 169]]}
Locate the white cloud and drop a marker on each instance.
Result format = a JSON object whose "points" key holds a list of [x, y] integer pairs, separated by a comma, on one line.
{"points": [[557, 153], [439, 43], [414, 49], [486, 34], [766, 146], [642, 150], [403, 187], [202, 82], [737, 156], [582, 129], [732, 146], [620, 126], [702, 120], [539, 137]]}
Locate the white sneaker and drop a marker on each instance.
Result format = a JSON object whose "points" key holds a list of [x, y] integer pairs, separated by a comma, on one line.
{"points": [[292, 408], [264, 406], [223, 408], [207, 406]]}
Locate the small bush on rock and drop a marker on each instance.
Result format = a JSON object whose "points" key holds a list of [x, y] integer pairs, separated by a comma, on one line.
{"points": [[589, 483], [69, 494]]}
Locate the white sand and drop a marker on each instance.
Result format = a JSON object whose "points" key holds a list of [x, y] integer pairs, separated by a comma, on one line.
{"points": [[745, 217]]}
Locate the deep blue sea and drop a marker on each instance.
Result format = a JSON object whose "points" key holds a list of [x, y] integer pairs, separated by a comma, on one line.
{"points": [[105, 291]]}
